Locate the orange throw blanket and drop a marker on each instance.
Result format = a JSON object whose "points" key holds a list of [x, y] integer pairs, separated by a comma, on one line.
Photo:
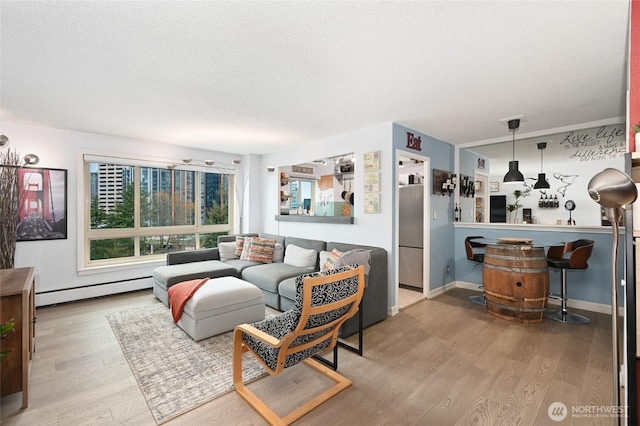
{"points": [[180, 293]]}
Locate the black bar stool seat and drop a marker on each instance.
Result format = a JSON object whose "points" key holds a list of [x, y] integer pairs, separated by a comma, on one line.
{"points": [[573, 255]]}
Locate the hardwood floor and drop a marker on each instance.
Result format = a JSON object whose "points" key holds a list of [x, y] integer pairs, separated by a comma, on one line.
{"points": [[439, 362]]}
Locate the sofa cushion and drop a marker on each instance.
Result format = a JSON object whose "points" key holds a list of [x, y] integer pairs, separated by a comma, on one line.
{"points": [[300, 257], [227, 250], [287, 289], [240, 265], [267, 276], [189, 256], [166, 276]]}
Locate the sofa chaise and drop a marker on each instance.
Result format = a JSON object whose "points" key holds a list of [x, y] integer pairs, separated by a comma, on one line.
{"points": [[276, 280]]}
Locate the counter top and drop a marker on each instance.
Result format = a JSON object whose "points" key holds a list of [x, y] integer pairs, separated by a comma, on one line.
{"points": [[537, 227]]}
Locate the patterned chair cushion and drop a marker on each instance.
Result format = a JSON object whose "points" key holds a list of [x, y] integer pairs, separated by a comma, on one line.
{"points": [[285, 323]]}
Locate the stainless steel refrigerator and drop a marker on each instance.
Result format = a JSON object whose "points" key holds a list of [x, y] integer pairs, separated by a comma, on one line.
{"points": [[411, 205]]}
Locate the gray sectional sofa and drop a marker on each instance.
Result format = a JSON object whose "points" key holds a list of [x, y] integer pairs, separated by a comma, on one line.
{"points": [[277, 279]]}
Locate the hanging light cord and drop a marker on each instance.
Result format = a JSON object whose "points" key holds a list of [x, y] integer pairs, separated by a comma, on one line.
{"points": [[513, 145], [541, 153]]}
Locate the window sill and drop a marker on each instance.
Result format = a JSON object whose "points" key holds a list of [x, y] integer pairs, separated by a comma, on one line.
{"points": [[103, 269]]}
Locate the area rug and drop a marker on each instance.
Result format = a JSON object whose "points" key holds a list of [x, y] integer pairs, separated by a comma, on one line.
{"points": [[175, 373]]}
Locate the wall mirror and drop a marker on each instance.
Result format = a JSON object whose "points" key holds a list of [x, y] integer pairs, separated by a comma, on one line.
{"points": [[568, 161], [322, 187]]}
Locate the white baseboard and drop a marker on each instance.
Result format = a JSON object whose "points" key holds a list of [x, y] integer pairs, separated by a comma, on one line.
{"points": [[70, 295], [577, 304], [441, 290]]}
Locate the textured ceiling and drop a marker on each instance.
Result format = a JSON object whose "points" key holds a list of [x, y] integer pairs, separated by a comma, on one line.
{"points": [[256, 77]]}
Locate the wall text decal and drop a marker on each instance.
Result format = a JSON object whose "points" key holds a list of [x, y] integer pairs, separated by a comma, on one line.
{"points": [[600, 143], [413, 142]]}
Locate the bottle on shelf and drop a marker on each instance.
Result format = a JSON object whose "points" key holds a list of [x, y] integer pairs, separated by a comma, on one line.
{"points": [[456, 213], [540, 201], [556, 203]]}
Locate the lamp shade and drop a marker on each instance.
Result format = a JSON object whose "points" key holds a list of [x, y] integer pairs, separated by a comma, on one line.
{"points": [[542, 182], [513, 175], [612, 189]]}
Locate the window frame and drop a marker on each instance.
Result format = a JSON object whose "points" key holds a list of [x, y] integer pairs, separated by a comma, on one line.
{"points": [[86, 234], [312, 186]]}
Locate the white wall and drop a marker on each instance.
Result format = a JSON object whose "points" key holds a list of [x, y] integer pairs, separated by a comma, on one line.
{"points": [[56, 260], [571, 159], [368, 229]]}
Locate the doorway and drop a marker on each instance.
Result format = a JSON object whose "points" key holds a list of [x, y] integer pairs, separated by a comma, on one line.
{"points": [[481, 198], [412, 228]]}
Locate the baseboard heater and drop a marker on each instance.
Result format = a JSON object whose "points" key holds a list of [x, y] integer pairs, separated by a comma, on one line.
{"points": [[89, 291]]}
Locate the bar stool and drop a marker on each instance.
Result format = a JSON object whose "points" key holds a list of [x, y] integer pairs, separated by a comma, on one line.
{"points": [[477, 257], [573, 255]]}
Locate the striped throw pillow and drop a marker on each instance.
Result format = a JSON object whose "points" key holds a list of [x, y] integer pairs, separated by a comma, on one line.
{"points": [[248, 242], [332, 258], [261, 250], [239, 247]]}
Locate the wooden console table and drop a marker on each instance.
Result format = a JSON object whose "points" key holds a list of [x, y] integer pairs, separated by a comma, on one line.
{"points": [[17, 302]]}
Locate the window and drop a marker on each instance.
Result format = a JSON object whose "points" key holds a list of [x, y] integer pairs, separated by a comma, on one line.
{"points": [[138, 212], [302, 193]]}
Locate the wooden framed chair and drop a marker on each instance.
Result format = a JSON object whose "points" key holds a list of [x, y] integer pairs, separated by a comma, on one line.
{"points": [[323, 302]]}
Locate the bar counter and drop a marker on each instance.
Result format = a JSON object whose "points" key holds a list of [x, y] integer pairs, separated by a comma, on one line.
{"points": [[588, 289]]}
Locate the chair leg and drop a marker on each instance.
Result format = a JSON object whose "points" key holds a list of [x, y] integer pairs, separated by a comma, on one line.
{"points": [[479, 299], [341, 383], [267, 413], [563, 315]]}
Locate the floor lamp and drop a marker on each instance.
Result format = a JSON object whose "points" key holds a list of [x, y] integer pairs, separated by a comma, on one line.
{"points": [[268, 169], [613, 189]]}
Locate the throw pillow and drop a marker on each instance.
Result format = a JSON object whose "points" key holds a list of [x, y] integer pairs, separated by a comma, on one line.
{"points": [[227, 250], [239, 246], [323, 257], [278, 253], [261, 250], [300, 257], [332, 258], [356, 257], [246, 247]]}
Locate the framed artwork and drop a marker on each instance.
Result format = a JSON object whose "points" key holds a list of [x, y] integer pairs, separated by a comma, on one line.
{"points": [[371, 161], [42, 204], [372, 203], [372, 182], [494, 186]]}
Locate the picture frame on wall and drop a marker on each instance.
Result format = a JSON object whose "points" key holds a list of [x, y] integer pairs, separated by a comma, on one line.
{"points": [[372, 203], [494, 186], [372, 161], [372, 182], [42, 204]]}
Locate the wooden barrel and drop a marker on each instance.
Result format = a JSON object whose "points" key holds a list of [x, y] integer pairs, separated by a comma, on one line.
{"points": [[516, 282]]}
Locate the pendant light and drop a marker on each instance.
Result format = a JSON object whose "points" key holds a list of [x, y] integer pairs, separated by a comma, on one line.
{"points": [[542, 179], [513, 175]]}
